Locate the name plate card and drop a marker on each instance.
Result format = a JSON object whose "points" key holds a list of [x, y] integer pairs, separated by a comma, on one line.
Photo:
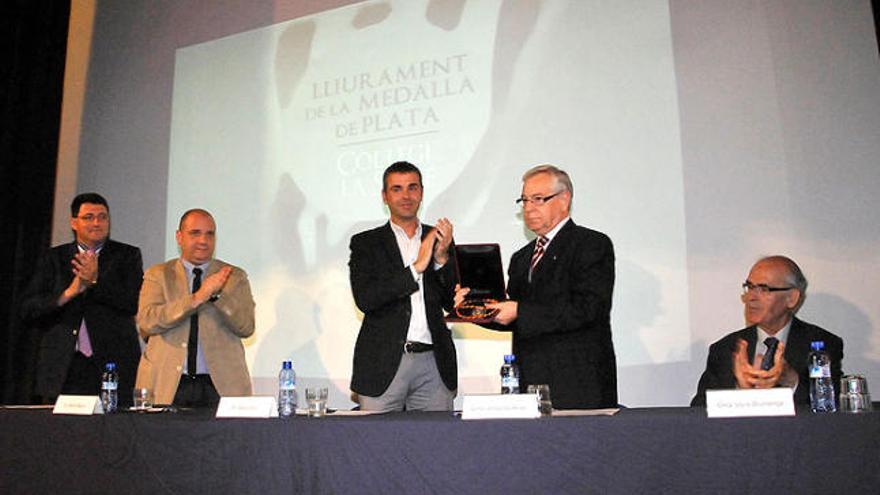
{"points": [[740, 403], [80, 405], [247, 407], [500, 406]]}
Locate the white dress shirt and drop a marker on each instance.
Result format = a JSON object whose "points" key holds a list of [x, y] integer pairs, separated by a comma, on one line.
{"points": [[409, 251]]}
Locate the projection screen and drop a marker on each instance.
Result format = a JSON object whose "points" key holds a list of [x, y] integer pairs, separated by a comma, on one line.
{"points": [[699, 136]]}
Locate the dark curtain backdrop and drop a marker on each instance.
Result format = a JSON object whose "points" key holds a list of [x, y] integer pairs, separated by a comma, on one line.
{"points": [[33, 49], [875, 4]]}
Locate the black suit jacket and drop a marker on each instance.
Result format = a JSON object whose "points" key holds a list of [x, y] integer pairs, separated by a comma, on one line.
{"points": [[109, 309], [382, 285], [719, 364], [562, 334]]}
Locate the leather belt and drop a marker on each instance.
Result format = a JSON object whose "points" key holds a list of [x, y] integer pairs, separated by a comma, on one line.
{"points": [[412, 347], [200, 376]]}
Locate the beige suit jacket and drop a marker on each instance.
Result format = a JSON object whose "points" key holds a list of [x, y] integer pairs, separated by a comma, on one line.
{"points": [[164, 315]]}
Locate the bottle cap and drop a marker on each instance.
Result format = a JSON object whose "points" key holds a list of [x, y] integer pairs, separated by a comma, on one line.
{"points": [[286, 365], [817, 345], [509, 358], [111, 366]]}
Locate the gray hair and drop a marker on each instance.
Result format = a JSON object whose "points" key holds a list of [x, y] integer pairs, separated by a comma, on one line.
{"points": [[793, 276], [561, 176]]}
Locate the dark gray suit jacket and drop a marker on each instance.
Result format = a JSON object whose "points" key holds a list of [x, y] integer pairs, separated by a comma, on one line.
{"points": [[719, 364], [108, 308], [382, 286], [562, 334]]}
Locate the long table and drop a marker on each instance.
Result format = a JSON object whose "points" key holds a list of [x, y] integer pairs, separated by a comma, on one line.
{"points": [[665, 450]]}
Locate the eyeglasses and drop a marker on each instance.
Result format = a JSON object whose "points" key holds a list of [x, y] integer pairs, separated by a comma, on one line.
{"points": [[762, 289], [536, 200], [90, 217]]}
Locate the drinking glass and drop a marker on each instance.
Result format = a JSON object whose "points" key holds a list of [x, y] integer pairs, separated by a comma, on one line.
{"points": [[143, 398], [854, 396], [543, 393], [316, 400]]}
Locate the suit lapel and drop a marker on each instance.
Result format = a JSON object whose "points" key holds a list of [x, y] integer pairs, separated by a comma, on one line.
{"points": [[106, 257], [213, 268], [178, 281], [518, 272], [389, 243], [554, 250], [797, 339], [72, 249], [69, 254], [752, 339]]}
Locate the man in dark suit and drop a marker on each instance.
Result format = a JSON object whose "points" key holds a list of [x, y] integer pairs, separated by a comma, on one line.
{"points": [[560, 288], [772, 294], [402, 277], [83, 299]]}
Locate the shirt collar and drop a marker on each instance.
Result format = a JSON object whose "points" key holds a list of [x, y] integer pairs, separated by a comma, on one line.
{"points": [[555, 230], [398, 230], [190, 266], [82, 248], [781, 335]]}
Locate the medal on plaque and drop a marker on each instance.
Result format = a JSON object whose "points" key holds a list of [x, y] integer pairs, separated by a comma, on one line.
{"points": [[480, 269]]}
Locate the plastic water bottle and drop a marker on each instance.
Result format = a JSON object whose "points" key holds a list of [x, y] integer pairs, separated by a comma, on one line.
{"points": [[109, 388], [821, 384], [286, 391], [509, 375]]}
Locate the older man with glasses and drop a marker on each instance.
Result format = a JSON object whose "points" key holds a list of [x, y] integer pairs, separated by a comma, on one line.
{"points": [[773, 350], [560, 287]]}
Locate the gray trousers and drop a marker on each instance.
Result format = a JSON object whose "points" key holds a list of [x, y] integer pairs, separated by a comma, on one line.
{"points": [[416, 386]]}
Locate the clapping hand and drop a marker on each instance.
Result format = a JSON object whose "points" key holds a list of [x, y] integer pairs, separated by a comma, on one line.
{"points": [[748, 376], [443, 231]]}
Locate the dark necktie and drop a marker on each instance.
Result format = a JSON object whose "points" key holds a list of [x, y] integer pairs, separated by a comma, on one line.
{"points": [[537, 254], [767, 362], [192, 345]]}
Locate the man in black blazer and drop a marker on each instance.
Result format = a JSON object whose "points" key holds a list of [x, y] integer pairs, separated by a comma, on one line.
{"points": [[560, 288], [402, 278], [772, 294], [83, 298]]}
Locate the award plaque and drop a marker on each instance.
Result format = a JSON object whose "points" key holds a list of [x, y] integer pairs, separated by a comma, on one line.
{"points": [[480, 269]]}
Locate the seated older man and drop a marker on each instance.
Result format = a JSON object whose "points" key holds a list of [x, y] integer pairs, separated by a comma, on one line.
{"points": [[772, 294]]}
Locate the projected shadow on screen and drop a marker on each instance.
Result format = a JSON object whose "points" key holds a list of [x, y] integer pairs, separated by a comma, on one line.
{"points": [[305, 294], [632, 331], [861, 343], [477, 181]]}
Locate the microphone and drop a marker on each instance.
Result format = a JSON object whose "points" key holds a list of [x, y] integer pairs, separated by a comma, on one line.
{"points": [[770, 356]]}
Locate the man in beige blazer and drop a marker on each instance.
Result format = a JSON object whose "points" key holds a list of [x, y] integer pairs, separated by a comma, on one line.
{"points": [[194, 311]]}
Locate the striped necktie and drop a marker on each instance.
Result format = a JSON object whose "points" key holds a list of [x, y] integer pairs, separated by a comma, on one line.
{"points": [[537, 254]]}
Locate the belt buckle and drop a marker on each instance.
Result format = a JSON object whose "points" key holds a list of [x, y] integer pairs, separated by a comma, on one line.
{"points": [[407, 347]]}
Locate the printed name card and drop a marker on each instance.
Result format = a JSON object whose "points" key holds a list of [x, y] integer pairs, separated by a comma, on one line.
{"points": [[247, 407], [739, 403], [500, 406], [80, 405]]}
